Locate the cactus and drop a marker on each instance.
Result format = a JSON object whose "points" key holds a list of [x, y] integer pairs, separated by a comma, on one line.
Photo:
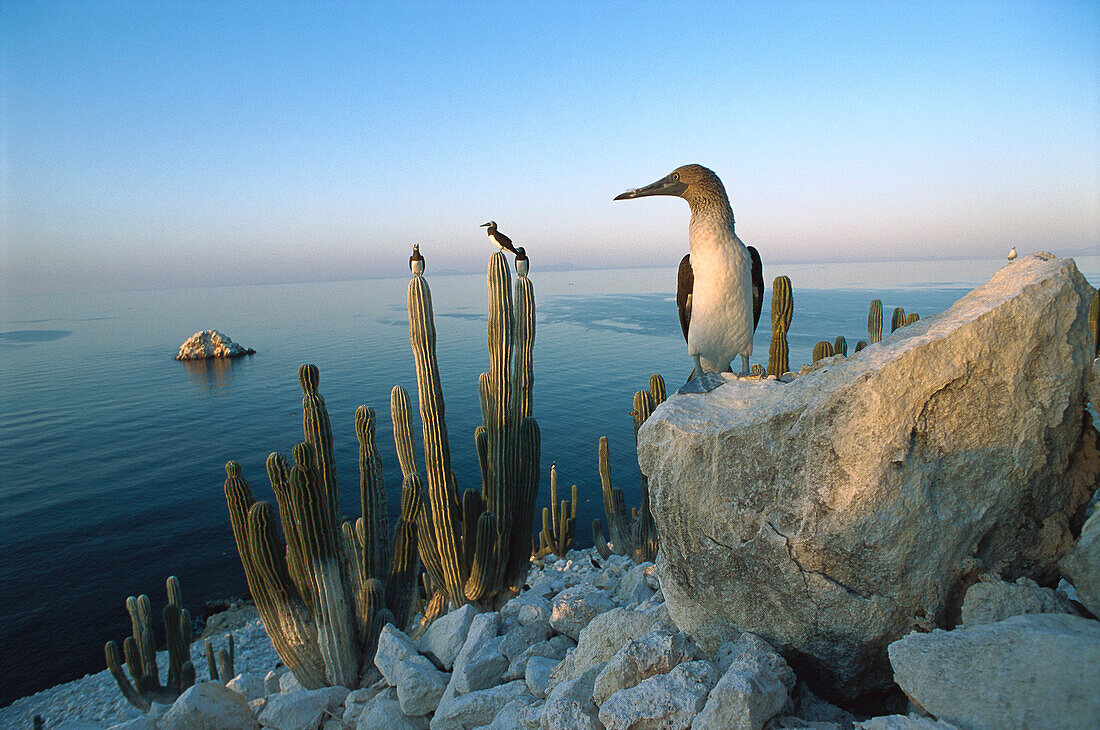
{"points": [[324, 597], [860, 345], [874, 322], [840, 346], [1094, 322], [911, 318], [822, 350], [479, 547], [220, 665], [782, 311], [633, 534], [558, 521], [141, 654], [898, 319]]}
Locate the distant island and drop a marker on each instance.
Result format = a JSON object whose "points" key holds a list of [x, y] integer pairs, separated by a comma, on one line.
{"points": [[211, 343]]}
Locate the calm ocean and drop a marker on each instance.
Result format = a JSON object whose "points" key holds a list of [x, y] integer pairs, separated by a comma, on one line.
{"points": [[112, 453]]}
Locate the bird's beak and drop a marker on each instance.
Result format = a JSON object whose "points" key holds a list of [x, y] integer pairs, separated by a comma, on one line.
{"points": [[485, 225], [664, 186]]}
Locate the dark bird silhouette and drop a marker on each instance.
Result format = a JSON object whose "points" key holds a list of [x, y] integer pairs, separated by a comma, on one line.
{"points": [[498, 238], [416, 261]]}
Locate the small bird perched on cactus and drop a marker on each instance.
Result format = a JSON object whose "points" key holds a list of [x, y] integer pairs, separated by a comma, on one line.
{"points": [[498, 238], [416, 261]]}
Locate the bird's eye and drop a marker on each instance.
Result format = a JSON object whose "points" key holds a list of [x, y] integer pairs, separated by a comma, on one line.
{"points": [[676, 177]]}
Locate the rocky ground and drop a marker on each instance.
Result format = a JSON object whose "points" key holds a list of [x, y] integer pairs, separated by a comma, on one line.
{"points": [[591, 645]]}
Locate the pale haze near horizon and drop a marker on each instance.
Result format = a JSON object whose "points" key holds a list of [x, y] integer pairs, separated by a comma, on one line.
{"points": [[149, 145]]}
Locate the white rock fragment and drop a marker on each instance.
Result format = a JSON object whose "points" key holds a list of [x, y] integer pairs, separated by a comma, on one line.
{"points": [[383, 712], [1082, 564], [992, 600], [272, 680], [654, 653], [289, 683], [393, 646], [903, 722], [1037, 670], [208, 706], [249, 685], [669, 701], [537, 675], [573, 608], [419, 685], [600, 640], [570, 705], [476, 708], [446, 635], [750, 693], [304, 708]]}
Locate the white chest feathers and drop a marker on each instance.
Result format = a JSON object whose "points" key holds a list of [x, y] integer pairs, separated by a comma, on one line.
{"points": [[721, 302]]}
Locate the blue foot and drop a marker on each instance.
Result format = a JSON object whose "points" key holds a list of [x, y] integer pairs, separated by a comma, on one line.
{"points": [[702, 384]]}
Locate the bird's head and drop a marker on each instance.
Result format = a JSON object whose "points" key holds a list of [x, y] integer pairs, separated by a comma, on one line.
{"points": [[690, 182], [491, 225]]}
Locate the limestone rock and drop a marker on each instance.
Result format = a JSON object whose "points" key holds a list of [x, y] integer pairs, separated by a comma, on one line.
{"points": [[833, 513], [419, 685], [537, 675], [476, 708], [211, 343], [633, 588], [600, 640], [992, 600], [480, 664], [383, 712], [393, 647], [750, 693], [446, 634], [208, 706], [570, 705], [668, 701], [249, 685], [554, 648], [1032, 671], [903, 722], [574, 607], [304, 708], [654, 653], [273, 680], [357, 699], [1082, 565], [520, 713]]}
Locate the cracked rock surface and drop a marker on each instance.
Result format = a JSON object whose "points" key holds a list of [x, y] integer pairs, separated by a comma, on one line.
{"points": [[833, 514]]}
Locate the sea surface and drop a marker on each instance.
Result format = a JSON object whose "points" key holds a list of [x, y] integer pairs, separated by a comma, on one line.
{"points": [[112, 453]]}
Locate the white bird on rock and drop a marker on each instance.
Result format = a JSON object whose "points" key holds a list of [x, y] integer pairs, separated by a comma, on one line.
{"points": [[720, 287]]}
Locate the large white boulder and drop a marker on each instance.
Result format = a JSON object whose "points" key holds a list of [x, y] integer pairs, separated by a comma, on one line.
{"points": [[208, 706], [1032, 671], [835, 513]]}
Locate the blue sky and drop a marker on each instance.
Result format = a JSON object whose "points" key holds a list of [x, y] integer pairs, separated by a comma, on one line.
{"points": [[168, 144]]}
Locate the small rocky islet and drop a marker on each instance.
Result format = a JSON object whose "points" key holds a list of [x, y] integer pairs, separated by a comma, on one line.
{"points": [[910, 546], [209, 344]]}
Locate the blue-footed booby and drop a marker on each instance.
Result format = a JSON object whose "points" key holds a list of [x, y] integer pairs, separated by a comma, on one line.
{"points": [[498, 238], [416, 261], [720, 286]]}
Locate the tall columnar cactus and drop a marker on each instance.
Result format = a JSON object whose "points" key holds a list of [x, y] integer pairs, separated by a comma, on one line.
{"points": [[898, 319], [840, 346], [782, 311], [874, 322], [559, 521], [822, 350], [480, 544], [324, 597], [1094, 322], [220, 664], [634, 533], [140, 652], [911, 318]]}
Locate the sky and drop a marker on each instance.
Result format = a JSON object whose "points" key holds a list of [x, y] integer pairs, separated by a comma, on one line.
{"points": [[147, 145]]}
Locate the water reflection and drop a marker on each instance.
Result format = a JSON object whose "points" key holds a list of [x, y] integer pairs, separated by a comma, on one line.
{"points": [[213, 372]]}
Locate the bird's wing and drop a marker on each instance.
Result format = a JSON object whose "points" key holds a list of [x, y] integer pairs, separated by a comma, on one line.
{"points": [[757, 286], [685, 282], [505, 241]]}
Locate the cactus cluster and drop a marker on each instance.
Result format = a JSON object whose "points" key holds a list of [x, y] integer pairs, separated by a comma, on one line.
{"points": [[633, 534], [782, 311], [559, 521], [143, 687], [220, 665], [325, 595], [477, 548]]}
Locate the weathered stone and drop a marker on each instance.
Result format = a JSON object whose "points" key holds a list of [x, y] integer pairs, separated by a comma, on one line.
{"points": [[249, 685], [272, 680], [670, 701], [633, 588], [654, 653], [357, 699], [554, 648], [393, 647], [383, 712], [1082, 564], [1037, 670], [208, 706], [520, 713], [810, 708], [992, 600], [573, 608], [832, 513], [570, 705], [903, 722], [749, 694], [521, 637], [144, 722], [537, 675], [598, 642], [476, 708], [446, 635], [211, 343], [480, 664], [751, 649], [289, 683], [304, 708], [419, 685], [527, 609]]}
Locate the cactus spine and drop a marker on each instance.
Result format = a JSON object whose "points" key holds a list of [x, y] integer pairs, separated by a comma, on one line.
{"points": [[782, 311], [141, 655], [874, 322]]}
